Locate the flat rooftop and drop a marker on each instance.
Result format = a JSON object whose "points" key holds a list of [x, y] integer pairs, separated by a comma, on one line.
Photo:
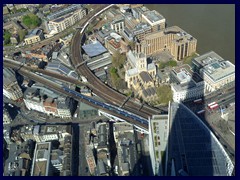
{"points": [[153, 16], [41, 159], [207, 58], [94, 49], [218, 70]]}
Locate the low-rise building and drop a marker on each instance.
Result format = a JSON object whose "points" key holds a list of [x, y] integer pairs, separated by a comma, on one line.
{"points": [[34, 36], [148, 94], [14, 39], [126, 148], [19, 159], [47, 102], [102, 149], [215, 71], [11, 88]]}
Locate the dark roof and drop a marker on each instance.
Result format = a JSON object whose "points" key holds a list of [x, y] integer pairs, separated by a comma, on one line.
{"points": [[145, 77], [149, 91]]}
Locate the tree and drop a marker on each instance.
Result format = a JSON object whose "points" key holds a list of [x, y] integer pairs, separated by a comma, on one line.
{"points": [[118, 60], [22, 33], [31, 20], [6, 37]]}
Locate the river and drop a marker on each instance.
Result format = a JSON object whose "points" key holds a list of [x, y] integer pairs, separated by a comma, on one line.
{"points": [[213, 25]]}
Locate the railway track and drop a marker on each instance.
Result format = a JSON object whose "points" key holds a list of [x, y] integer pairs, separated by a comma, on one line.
{"points": [[100, 88]]}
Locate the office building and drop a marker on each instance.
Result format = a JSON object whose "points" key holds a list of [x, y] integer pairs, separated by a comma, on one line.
{"points": [[34, 36], [215, 71], [64, 11], [186, 84], [154, 19], [118, 24], [173, 39], [59, 24], [126, 148]]}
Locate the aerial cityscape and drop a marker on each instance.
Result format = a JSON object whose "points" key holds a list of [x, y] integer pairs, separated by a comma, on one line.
{"points": [[112, 90]]}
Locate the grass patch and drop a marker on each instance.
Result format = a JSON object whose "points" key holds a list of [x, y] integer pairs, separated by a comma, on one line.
{"points": [[171, 63]]}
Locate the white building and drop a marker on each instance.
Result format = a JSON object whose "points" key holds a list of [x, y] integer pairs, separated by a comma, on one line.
{"points": [[158, 142], [59, 24], [118, 24], [6, 117], [46, 101], [11, 88], [185, 84], [34, 103], [215, 71], [154, 19]]}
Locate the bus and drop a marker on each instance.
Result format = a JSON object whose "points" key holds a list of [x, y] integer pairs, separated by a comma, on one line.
{"points": [[211, 104], [214, 106], [198, 100], [200, 112]]}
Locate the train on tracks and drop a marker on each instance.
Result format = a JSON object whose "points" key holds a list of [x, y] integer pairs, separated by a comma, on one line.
{"points": [[108, 106]]}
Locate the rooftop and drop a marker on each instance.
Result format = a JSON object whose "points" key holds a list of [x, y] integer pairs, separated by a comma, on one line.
{"points": [[207, 58], [145, 76], [149, 91], [34, 32], [154, 16], [94, 49], [40, 166], [218, 70]]}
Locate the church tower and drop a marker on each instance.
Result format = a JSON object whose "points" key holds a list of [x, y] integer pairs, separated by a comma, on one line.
{"points": [[141, 62]]}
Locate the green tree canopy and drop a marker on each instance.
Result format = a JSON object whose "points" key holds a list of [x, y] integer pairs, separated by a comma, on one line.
{"points": [[6, 37], [31, 20], [171, 63], [118, 60]]}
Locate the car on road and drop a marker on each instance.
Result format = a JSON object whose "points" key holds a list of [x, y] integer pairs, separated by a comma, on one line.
{"points": [[10, 105]]}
